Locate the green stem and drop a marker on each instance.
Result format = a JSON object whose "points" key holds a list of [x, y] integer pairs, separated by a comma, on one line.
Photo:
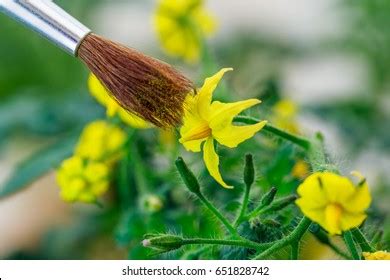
{"points": [[298, 140], [124, 188], [295, 236], [218, 214], [139, 171], [256, 212], [316, 154], [348, 239], [244, 206], [124, 182], [240, 243], [295, 250], [361, 240]]}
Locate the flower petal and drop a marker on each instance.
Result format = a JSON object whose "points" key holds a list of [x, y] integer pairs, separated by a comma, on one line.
{"points": [[222, 114], [338, 189], [315, 214], [349, 220], [333, 216], [311, 193], [102, 95], [194, 145], [232, 135], [206, 21], [211, 160], [133, 120], [361, 198], [191, 122], [97, 90], [205, 94], [359, 201]]}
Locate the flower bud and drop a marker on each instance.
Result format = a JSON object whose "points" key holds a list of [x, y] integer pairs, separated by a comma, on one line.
{"points": [[268, 197], [163, 242], [188, 177], [249, 171], [152, 203]]}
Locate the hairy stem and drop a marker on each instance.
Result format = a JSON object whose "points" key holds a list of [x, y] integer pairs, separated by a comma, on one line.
{"points": [[244, 205], [240, 243], [361, 240], [295, 250], [218, 214], [298, 140], [295, 236], [348, 239]]}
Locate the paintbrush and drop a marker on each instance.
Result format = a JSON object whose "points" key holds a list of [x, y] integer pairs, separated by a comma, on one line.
{"points": [[143, 85]]}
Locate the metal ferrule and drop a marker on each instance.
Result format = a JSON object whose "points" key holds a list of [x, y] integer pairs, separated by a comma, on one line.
{"points": [[49, 20]]}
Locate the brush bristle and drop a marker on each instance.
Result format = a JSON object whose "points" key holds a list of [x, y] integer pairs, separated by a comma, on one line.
{"points": [[151, 89]]}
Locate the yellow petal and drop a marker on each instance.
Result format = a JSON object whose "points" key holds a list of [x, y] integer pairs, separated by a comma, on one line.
{"points": [[338, 189], [102, 95], [175, 43], [133, 120], [206, 22], [378, 255], [222, 114], [193, 46], [315, 214], [195, 136], [112, 107], [189, 132], [232, 135], [194, 146], [300, 170], [87, 197], [212, 162], [100, 188], [311, 193], [200, 131], [95, 172], [97, 90], [205, 94], [74, 188], [349, 221], [333, 216], [73, 165], [359, 201]]}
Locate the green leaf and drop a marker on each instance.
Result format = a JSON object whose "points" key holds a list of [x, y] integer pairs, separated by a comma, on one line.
{"points": [[37, 165]]}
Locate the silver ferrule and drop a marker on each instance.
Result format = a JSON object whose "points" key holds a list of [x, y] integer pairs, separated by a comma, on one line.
{"points": [[49, 20]]}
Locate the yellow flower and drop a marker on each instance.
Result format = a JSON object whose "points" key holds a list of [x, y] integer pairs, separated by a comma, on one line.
{"points": [[82, 180], [100, 141], [285, 112], [300, 169], [101, 94], [333, 201], [206, 121], [181, 26], [379, 255]]}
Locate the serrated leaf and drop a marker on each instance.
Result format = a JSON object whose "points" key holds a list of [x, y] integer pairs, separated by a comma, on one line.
{"points": [[37, 165]]}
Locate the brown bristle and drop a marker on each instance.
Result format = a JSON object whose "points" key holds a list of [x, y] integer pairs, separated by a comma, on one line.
{"points": [[141, 84]]}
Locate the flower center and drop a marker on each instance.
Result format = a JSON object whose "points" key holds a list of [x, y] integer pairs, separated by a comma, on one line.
{"points": [[197, 133], [333, 214]]}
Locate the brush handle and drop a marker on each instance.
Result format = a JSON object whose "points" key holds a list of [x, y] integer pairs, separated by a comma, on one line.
{"points": [[49, 20]]}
